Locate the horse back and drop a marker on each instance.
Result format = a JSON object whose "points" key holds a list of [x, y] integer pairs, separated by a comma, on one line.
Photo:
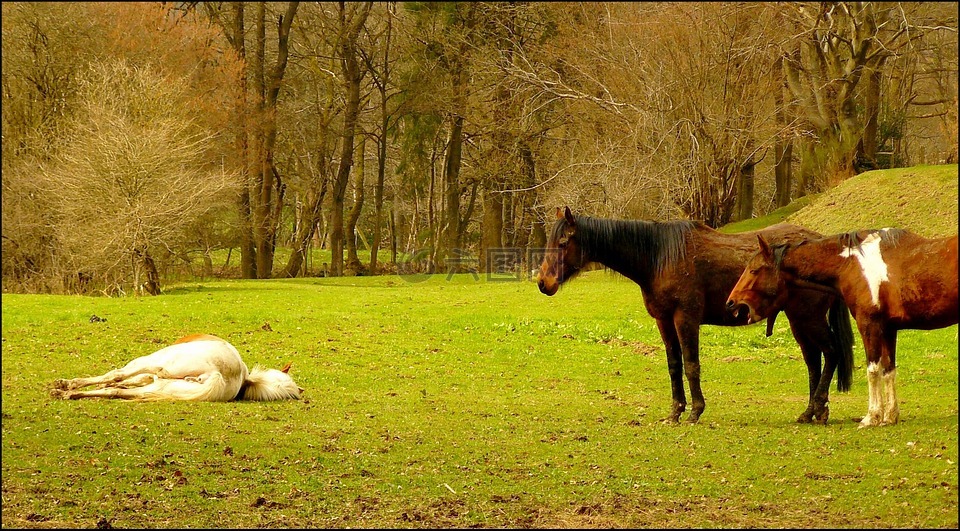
{"points": [[713, 264], [723, 256]]}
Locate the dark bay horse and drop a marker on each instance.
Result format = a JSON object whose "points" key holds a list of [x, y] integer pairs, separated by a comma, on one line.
{"points": [[891, 279], [685, 271]]}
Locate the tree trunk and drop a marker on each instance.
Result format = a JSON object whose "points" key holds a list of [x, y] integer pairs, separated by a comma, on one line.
{"points": [[871, 108], [491, 235], [451, 180], [783, 145], [152, 284], [745, 190], [255, 132], [309, 217], [378, 196], [353, 266], [352, 75], [270, 187], [248, 252], [808, 169], [382, 140]]}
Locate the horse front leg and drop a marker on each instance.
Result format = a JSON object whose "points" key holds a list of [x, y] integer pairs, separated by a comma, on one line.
{"points": [[870, 334], [689, 335], [671, 343]]}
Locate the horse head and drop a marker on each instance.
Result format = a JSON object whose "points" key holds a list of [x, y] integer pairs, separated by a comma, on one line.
{"points": [[761, 289], [564, 257], [264, 385]]}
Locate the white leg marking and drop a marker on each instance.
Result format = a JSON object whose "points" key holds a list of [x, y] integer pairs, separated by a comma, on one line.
{"points": [[891, 411], [875, 396], [871, 263]]}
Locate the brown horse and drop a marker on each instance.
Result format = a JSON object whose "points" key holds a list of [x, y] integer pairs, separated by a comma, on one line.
{"points": [[685, 271], [891, 279]]}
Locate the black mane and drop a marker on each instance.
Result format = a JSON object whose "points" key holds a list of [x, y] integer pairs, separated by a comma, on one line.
{"points": [[853, 239], [645, 247]]}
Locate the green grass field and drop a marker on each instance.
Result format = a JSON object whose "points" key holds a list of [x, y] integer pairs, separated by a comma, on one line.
{"points": [[458, 403]]}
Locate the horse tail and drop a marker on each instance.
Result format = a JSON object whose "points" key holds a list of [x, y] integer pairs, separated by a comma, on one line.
{"points": [[841, 339], [264, 385]]}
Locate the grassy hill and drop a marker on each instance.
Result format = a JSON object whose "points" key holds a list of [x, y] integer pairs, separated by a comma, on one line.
{"points": [[921, 198]]}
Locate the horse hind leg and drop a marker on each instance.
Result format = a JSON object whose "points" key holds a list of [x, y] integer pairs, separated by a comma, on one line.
{"points": [[811, 357], [891, 409], [135, 381], [115, 375], [875, 396], [107, 379], [689, 334], [820, 375], [107, 392]]}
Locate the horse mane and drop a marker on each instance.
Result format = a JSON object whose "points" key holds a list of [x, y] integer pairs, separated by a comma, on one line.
{"points": [[265, 385], [853, 239], [647, 245]]}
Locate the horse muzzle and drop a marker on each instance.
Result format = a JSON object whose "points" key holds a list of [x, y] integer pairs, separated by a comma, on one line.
{"points": [[548, 287], [737, 309]]}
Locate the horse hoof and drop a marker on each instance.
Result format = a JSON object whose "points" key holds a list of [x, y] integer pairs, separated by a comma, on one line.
{"points": [[672, 419], [805, 419], [58, 393], [61, 384]]}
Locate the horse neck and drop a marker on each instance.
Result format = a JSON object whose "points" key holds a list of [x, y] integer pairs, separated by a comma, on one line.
{"points": [[636, 249], [814, 261]]}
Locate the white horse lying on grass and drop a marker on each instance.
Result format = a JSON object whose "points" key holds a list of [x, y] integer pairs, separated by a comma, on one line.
{"points": [[199, 368]]}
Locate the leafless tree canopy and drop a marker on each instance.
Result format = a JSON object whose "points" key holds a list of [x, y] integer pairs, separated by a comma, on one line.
{"points": [[376, 131]]}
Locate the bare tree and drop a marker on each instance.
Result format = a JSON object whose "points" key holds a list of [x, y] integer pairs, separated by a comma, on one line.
{"points": [[131, 179], [843, 46]]}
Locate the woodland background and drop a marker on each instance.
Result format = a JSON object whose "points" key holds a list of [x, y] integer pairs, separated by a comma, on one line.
{"points": [[142, 139]]}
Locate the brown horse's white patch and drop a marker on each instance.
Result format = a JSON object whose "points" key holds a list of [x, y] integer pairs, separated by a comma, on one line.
{"points": [[871, 263]]}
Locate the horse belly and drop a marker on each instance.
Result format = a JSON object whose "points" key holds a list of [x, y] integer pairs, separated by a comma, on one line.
{"points": [[924, 317], [922, 299]]}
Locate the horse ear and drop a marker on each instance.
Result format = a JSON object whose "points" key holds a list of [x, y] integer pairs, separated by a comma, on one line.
{"points": [[764, 247], [569, 215], [559, 213], [286, 368]]}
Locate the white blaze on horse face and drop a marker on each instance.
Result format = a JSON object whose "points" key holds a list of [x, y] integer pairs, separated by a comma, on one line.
{"points": [[871, 263]]}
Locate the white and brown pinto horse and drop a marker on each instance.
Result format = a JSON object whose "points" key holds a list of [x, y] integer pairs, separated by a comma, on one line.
{"points": [[891, 279], [199, 368]]}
